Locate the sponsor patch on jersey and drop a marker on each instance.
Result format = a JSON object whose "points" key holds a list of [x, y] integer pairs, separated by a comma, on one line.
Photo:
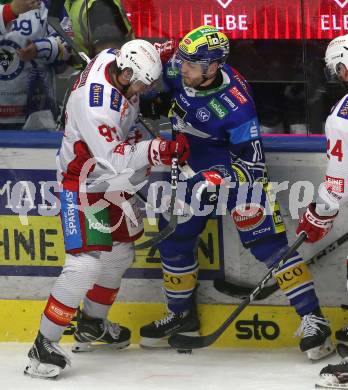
{"points": [[248, 216], [124, 110], [184, 100], [203, 114], [96, 93], [172, 73], [70, 220], [334, 184], [219, 110], [241, 82], [343, 110], [10, 64], [116, 100], [226, 99], [238, 95], [245, 132], [178, 110], [85, 73], [254, 129]]}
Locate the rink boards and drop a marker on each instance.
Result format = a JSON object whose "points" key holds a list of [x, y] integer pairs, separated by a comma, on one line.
{"points": [[31, 256], [256, 327]]}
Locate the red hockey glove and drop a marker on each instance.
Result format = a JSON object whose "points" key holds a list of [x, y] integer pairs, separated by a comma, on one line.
{"points": [[166, 49], [315, 226], [161, 151]]}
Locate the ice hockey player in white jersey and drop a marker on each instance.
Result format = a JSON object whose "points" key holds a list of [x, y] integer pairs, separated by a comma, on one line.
{"points": [[318, 219], [101, 154], [29, 49]]}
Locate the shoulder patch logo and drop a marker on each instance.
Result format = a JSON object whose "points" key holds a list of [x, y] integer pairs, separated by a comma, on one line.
{"points": [[219, 110], [96, 92], [116, 100], [203, 114], [343, 110], [178, 110], [172, 73], [238, 95], [233, 106]]}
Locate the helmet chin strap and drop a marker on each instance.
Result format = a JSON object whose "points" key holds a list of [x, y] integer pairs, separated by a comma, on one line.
{"points": [[204, 74], [205, 78]]}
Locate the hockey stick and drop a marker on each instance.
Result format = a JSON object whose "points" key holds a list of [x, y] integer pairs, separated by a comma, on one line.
{"points": [[173, 220], [237, 290], [53, 21], [179, 341], [185, 168]]}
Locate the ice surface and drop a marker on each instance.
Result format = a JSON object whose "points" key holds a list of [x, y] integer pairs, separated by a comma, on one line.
{"points": [[137, 369]]}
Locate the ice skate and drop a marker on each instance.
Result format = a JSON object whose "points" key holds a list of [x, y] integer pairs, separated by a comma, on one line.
{"points": [[316, 341], [99, 333], [156, 334], [335, 376], [46, 359]]}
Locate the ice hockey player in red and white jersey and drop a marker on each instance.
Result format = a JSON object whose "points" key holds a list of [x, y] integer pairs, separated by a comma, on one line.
{"points": [[319, 217], [100, 157]]}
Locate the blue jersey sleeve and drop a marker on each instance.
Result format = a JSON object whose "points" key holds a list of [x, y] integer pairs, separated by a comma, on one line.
{"points": [[244, 135]]}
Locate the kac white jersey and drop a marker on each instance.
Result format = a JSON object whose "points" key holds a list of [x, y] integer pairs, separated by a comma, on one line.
{"points": [[335, 188], [100, 124], [19, 79]]}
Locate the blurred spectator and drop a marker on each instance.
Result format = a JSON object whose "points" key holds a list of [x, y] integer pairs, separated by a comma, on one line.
{"points": [[29, 52], [96, 25], [107, 24]]}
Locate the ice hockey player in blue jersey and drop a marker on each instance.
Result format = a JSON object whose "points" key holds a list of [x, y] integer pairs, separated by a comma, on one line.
{"points": [[213, 105]]}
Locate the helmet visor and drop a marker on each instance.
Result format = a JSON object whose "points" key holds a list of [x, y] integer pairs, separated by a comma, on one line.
{"points": [[179, 59]]}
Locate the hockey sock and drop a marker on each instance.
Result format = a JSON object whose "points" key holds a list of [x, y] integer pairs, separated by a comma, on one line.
{"points": [[295, 280], [98, 301], [55, 319], [180, 279]]}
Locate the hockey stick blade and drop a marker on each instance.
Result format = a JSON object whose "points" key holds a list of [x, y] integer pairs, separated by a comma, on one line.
{"points": [[240, 291], [236, 290], [179, 341]]}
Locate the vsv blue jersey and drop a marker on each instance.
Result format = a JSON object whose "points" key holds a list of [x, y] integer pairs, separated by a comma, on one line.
{"points": [[221, 124]]}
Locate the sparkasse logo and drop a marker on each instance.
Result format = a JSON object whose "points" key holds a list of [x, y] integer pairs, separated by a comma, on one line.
{"points": [[226, 3], [341, 3]]}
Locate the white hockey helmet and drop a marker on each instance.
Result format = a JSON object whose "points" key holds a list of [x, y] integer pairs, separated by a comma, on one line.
{"points": [[336, 54], [144, 60]]}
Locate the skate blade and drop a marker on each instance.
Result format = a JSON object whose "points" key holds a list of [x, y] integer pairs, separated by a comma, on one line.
{"points": [[152, 343], [35, 369], [328, 381], [89, 347], [322, 351]]}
